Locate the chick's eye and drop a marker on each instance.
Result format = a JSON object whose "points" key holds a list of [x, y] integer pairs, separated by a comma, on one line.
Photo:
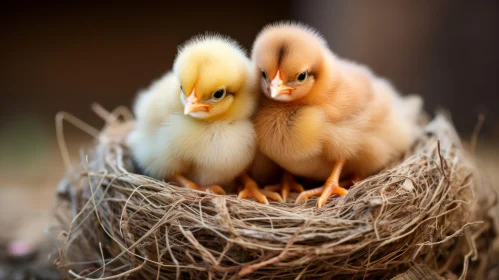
{"points": [[219, 94], [302, 77], [264, 76]]}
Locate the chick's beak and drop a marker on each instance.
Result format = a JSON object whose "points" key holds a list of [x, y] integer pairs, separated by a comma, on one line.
{"points": [[277, 86], [192, 104]]}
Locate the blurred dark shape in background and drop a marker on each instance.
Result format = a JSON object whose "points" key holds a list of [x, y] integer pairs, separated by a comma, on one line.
{"points": [[64, 56], [447, 51], [61, 55]]}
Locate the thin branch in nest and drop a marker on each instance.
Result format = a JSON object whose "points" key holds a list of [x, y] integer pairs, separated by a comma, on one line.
{"points": [[476, 133], [59, 124], [442, 163]]}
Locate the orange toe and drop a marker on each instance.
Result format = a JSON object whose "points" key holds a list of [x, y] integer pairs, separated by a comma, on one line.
{"points": [[272, 195], [216, 189], [324, 192], [287, 185], [251, 189], [186, 183], [308, 194], [328, 192], [247, 192], [260, 195]]}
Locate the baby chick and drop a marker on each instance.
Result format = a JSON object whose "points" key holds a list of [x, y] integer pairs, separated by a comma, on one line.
{"points": [[193, 124], [324, 117]]}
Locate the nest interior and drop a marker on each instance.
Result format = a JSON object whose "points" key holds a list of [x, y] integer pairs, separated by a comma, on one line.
{"points": [[431, 208]]}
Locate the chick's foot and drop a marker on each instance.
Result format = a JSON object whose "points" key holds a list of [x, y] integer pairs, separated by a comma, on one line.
{"points": [[328, 192], [309, 193], [186, 183], [251, 189], [214, 188], [332, 186], [287, 185], [325, 192]]}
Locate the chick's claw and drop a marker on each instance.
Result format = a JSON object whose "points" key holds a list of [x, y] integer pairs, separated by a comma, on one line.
{"points": [[324, 192], [309, 193], [215, 188], [332, 185], [328, 192], [287, 185], [260, 195], [186, 183], [251, 189]]}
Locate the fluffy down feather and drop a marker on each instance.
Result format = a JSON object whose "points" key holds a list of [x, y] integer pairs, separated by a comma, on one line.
{"points": [[340, 111], [210, 147]]}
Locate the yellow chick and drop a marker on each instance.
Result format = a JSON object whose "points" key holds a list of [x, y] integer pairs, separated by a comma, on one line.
{"points": [[323, 117], [193, 124]]}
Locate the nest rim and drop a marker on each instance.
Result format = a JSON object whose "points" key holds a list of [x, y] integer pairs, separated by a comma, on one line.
{"points": [[365, 233]]}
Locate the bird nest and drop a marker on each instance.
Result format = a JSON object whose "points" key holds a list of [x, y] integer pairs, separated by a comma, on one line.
{"points": [[425, 210]]}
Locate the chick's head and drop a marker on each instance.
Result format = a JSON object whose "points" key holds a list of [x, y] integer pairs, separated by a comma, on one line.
{"points": [[289, 59], [215, 78]]}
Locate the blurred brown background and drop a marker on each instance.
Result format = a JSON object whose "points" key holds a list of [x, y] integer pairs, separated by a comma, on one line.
{"points": [[64, 56]]}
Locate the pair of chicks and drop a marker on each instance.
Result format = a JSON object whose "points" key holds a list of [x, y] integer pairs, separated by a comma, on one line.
{"points": [[221, 117]]}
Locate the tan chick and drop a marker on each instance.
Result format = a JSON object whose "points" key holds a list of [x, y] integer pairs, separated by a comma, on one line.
{"points": [[193, 124], [323, 117]]}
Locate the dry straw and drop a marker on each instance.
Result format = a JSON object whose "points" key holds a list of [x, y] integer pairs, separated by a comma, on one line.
{"points": [[424, 209]]}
